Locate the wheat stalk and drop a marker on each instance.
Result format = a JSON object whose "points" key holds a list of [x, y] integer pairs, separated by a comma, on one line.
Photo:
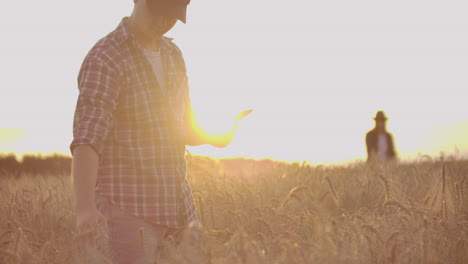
{"points": [[387, 185], [399, 206], [200, 198], [330, 184]]}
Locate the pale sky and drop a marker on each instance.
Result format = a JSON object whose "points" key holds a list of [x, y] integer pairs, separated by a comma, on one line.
{"points": [[315, 72]]}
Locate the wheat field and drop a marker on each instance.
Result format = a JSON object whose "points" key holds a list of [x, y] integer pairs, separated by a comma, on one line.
{"points": [[270, 212]]}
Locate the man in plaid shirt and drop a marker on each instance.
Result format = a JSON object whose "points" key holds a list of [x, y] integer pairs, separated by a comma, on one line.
{"points": [[132, 122]]}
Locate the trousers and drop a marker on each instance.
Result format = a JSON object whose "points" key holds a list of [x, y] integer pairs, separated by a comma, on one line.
{"points": [[131, 240]]}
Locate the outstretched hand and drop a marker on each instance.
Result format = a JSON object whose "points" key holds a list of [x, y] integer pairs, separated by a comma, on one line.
{"points": [[225, 139], [243, 114]]}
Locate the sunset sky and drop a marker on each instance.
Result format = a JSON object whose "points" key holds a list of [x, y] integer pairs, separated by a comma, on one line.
{"points": [[315, 73]]}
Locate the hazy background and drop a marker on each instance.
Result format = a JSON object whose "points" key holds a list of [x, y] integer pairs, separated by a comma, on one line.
{"points": [[315, 72]]}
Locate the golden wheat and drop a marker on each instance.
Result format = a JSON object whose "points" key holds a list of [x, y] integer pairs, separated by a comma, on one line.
{"points": [[397, 213]]}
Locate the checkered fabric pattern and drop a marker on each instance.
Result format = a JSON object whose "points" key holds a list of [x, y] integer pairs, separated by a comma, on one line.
{"points": [[137, 128]]}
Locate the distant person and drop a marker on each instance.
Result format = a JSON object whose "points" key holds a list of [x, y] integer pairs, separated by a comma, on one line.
{"points": [[133, 120], [379, 142]]}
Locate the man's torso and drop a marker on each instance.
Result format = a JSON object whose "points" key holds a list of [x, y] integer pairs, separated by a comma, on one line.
{"points": [[142, 165]]}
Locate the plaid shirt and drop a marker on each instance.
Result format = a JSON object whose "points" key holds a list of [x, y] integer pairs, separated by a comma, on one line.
{"points": [[136, 128]]}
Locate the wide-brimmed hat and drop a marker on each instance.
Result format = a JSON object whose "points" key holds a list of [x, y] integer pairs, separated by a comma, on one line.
{"points": [[380, 116], [175, 8]]}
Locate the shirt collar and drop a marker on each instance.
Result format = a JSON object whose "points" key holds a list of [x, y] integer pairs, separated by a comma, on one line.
{"points": [[123, 33]]}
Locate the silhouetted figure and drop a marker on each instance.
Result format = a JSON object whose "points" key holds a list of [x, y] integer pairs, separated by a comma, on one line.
{"points": [[379, 142]]}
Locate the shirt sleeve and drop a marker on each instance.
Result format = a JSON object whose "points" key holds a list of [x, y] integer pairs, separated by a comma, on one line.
{"points": [[99, 86], [188, 115]]}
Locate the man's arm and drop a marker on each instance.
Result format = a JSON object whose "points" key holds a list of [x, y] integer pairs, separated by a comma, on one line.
{"points": [[99, 87], [85, 167], [88, 218], [369, 146], [391, 145], [197, 136], [201, 138]]}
